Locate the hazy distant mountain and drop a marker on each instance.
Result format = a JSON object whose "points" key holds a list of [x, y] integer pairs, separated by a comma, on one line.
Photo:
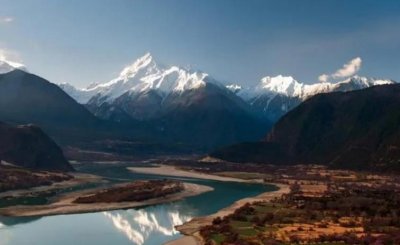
{"points": [[359, 129], [275, 96], [28, 146]]}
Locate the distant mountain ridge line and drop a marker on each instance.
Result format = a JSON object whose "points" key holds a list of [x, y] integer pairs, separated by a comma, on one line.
{"points": [[164, 104], [146, 74], [271, 98], [203, 118]]}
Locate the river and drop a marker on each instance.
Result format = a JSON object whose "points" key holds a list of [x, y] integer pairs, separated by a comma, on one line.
{"points": [[152, 225]]}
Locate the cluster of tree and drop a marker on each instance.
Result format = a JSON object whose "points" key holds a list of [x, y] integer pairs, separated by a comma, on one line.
{"points": [[378, 206], [352, 238], [134, 192], [223, 227], [375, 208], [13, 178]]}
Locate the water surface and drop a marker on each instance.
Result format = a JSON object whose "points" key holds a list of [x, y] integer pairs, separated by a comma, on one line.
{"points": [[152, 225]]}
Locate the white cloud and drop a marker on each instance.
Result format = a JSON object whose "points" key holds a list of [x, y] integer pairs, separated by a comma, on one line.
{"points": [[323, 78], [11, 58], [5, 20], [349, 69], [2, 54], [5, 54]]}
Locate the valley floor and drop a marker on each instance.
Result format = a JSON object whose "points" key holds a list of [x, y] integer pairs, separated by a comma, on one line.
{"points": [[178, 172], [191, 229], [313, 205], [53, 198]]}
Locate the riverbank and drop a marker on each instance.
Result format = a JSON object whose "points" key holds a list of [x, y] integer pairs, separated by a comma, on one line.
{"points": [[191, 228], [78, 179], [65, 204], [176, 172]]}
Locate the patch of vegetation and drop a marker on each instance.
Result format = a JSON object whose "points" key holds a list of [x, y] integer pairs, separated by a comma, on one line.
{"points": [[345, 214], [14, 178], [135, 191]]}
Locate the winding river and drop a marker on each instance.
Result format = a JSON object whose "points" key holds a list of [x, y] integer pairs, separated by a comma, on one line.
{"points": [[153, 225]]}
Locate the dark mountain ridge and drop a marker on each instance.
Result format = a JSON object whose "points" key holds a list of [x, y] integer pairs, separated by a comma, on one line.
{"points": [[26, 98], [28, 146], [210, 116], [359, 129], [204, 118]]}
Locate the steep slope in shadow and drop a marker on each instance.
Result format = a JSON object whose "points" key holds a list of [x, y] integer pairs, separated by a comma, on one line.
{"points": [[359, 129], [28, 146]]}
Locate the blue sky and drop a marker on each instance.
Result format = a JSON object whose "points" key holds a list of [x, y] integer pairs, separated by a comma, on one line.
{"points": [[84, 41]]}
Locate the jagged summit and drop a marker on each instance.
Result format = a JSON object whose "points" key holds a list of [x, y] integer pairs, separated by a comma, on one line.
{"points": [[288, 86], [146, 63], [145, 84], [143, 75], [275, 96]]}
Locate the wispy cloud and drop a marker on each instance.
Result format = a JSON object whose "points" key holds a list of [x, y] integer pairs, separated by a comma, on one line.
{"points": [[12, 58], [349, 69], [8, 54], [3, 54], [6, 19]]}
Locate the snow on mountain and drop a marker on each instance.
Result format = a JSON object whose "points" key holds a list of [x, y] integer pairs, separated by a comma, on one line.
{"points": [[288, 86], [142, 87], [234, 88], [274, 96], [82, 96], [141, 76], [7, 66]]}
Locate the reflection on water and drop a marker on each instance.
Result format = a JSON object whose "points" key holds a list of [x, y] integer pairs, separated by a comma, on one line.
{"points": [[124, 226], [152, 225], [139, 225], [10, 221]]}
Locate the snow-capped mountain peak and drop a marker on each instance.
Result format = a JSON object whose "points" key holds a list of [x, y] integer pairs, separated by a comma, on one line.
{"points": [[284, 85], [274, 96], [142, 75], [145, 84], [186, 80], [290, 87], [145, 64], [280, 84], [234, 88], [366, 82], [7, 66]]}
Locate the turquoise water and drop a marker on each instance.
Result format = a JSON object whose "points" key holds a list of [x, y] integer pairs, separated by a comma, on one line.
{"points": [[151, 225]]}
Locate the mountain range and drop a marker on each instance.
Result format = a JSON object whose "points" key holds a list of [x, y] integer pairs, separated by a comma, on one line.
{"points": [[143, 90], [358, 129], [183, 106], [156, 103], [273, 97]]}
